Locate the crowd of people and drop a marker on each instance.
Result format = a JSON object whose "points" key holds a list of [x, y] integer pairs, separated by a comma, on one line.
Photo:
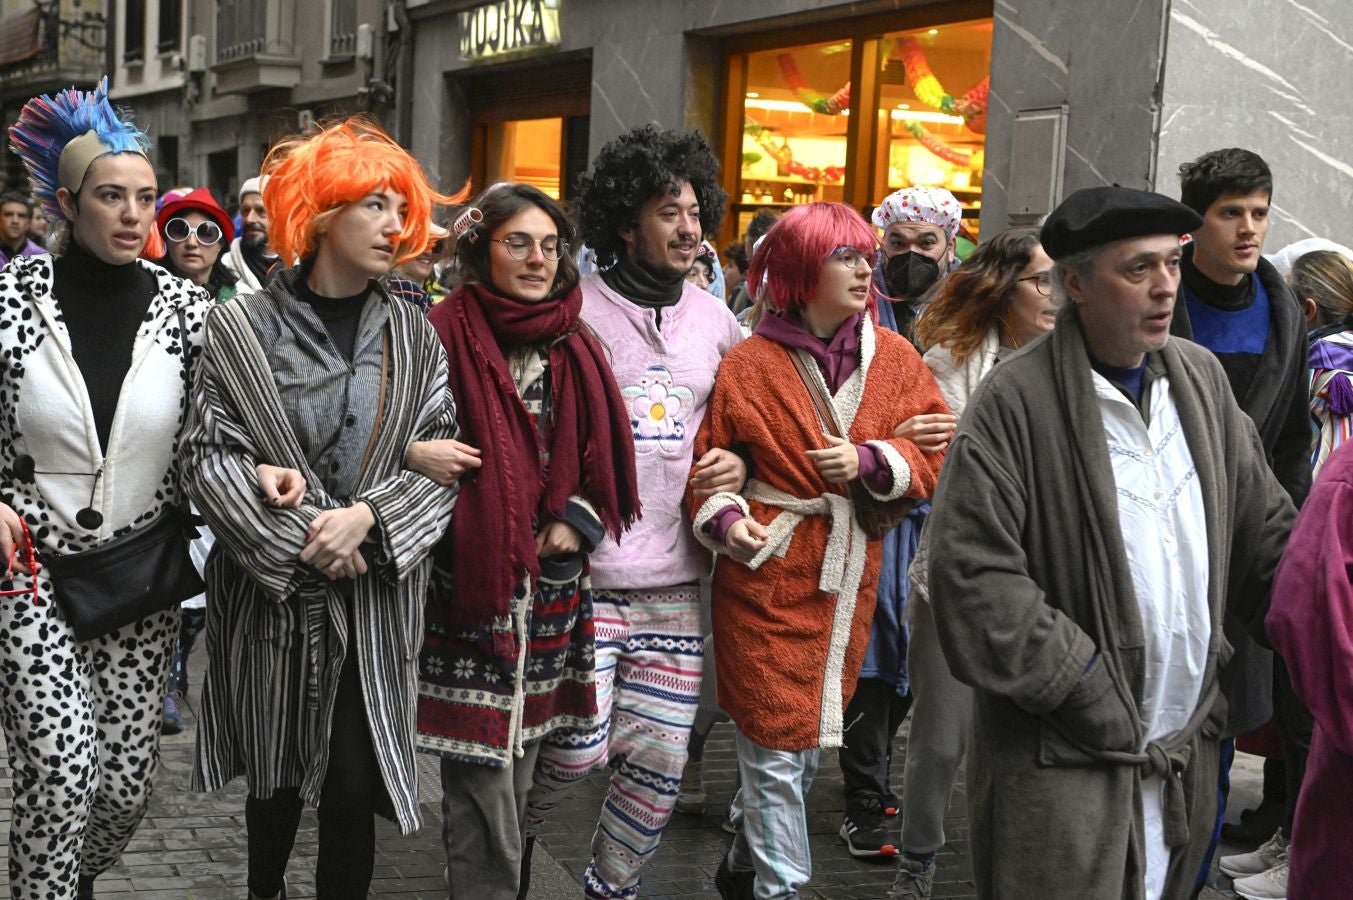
{"points": [[542, 490]]}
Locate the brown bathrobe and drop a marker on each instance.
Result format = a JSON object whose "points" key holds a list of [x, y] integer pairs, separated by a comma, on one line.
{"points": [[1033, 582]]}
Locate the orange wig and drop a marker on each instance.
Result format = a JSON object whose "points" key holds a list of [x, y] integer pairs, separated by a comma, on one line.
{"points": [[313, 176]]}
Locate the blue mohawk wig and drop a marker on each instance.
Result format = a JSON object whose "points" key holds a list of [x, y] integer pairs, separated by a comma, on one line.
{"points": [[47, 124]]}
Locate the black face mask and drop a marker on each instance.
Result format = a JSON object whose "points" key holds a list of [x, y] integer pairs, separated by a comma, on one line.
{"points": [[909, 275]]}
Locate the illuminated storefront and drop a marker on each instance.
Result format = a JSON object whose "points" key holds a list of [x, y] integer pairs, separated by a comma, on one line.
{"points": [[854, 117], [802, 101]]}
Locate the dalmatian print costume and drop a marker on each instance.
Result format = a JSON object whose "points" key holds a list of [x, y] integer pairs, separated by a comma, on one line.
{"points": [[82, 719]]}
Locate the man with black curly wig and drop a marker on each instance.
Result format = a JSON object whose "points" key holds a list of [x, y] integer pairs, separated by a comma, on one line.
{"points": [[644, 207]]}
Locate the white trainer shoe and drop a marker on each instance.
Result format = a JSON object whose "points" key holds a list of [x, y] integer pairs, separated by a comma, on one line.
{"points": [[1271, 853]]}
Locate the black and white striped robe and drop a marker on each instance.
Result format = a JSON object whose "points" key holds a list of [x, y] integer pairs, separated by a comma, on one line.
{"points": [[277, 635]]}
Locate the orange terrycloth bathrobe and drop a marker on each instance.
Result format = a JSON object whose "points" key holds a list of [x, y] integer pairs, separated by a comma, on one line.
{"points": [[790, 627]]}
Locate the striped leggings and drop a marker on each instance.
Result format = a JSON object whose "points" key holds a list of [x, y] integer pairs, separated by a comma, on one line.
{"points": [[648, 688]]}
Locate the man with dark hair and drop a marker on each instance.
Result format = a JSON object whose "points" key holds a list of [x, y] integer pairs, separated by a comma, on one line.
{"points": [[1103, 504], [1234, 302], [643, 208], [742, 300], [16, 212]]}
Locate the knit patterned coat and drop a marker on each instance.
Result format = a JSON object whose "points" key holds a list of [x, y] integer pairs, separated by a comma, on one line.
{"points": [[790, 651]]}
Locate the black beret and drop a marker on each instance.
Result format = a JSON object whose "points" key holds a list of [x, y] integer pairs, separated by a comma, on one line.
{"points": [[1094, 216]]}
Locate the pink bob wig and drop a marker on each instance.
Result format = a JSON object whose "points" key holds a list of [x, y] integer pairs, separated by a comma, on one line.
{"points": [[792, 253], [313, 176]]}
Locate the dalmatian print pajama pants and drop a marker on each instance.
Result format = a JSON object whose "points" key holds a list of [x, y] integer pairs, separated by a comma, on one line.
{"points": [[82, 728]]}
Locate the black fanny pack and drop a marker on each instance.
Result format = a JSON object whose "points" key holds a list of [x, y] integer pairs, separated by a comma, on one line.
{"points": [[128, 578]]}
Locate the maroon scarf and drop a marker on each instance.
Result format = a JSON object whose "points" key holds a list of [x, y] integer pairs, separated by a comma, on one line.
{"points": [[490, 544]]}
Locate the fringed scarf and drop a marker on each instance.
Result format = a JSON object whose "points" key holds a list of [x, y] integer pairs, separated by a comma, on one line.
{"points": [[491, 544]]}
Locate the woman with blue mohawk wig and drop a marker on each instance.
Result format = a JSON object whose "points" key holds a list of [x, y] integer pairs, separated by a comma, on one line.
{"points": [[317, 590], [99, 347]]}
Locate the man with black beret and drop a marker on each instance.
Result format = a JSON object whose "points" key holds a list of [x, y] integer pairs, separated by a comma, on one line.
{"points": [[1103, 503]]}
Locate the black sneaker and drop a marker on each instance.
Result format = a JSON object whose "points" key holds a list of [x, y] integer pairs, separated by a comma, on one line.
{"points": [[864, 832], [734, 885], [891, 806]]}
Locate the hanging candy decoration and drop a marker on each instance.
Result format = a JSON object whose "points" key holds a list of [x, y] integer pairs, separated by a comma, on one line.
{"points": [[972, 106], [935, 145], [818, 103], [783, 155]]}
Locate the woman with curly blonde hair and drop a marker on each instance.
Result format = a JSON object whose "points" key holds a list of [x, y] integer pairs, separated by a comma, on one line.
{"points": [[318, 579], [1000, 299]]}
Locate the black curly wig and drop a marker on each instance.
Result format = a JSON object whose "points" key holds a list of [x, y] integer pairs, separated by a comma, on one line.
{"points": [[636, 166]]}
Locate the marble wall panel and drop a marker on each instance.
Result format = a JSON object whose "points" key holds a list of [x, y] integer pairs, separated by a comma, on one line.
{"points": [[1103, 61], [1272, 77]]}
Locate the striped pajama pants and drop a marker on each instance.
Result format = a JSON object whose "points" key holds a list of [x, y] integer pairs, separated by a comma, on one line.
{"points": [[649, 644]]}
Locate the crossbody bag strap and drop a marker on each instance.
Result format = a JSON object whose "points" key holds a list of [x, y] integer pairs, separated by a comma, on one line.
{"points": [[380, 400], [820, 401]]}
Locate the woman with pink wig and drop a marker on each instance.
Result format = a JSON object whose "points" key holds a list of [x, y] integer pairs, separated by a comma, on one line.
{"points": [[811, 399]]}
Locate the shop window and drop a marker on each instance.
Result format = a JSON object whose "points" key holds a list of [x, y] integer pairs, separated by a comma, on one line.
{"points": [[932, 111], [526, 150], [793, 128], [919, 94]]}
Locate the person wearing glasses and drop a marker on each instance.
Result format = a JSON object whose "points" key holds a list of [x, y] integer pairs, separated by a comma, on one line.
{"points": [[508, 654], [795, 579], [998, 300], [196, 230], [317, 584], [94, 399]]}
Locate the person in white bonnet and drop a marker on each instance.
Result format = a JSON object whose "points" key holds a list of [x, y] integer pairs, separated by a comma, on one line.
{"points": [[250, 257], [919, 226]]}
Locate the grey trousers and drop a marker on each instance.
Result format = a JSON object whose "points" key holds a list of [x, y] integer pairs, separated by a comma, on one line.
{"points": [[483, 824], [941, 721]]}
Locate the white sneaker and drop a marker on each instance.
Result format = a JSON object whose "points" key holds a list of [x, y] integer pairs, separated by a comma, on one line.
{"points": [[1271, 853], [1270, 885]]}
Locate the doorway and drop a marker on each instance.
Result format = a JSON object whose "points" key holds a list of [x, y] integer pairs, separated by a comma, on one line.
{"points": [[530, 125]]}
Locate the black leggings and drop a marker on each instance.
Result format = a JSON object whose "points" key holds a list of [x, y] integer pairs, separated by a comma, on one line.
{"points": [[347, 808]]}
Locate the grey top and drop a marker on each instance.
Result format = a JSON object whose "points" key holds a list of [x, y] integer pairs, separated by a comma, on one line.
{"points": [[330, 403]]}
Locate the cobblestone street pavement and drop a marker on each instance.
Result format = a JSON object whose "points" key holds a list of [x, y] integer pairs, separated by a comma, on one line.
{"points": [[193, 845]]}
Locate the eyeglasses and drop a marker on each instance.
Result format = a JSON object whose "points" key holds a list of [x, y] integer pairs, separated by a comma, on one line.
{"points": [[437, 248], [178, 229], [1042, 282], [852, 256], [520, 246]]}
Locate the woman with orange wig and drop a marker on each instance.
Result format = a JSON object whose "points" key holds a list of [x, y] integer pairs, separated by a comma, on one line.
{"points": [[318, 577], [811, 399]]}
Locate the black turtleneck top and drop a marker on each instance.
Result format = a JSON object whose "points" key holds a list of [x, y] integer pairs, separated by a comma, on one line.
{"points": [[340, 316], [103, 305]]}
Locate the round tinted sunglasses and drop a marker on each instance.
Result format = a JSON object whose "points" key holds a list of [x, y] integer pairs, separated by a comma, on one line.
{"points": [[178, 229]]}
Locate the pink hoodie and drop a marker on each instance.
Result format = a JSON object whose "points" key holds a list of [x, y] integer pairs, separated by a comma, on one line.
{"points": [[666, 376]]}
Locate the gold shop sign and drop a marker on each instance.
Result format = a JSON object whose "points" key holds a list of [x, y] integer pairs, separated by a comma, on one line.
{"points": [[508, 26]]}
